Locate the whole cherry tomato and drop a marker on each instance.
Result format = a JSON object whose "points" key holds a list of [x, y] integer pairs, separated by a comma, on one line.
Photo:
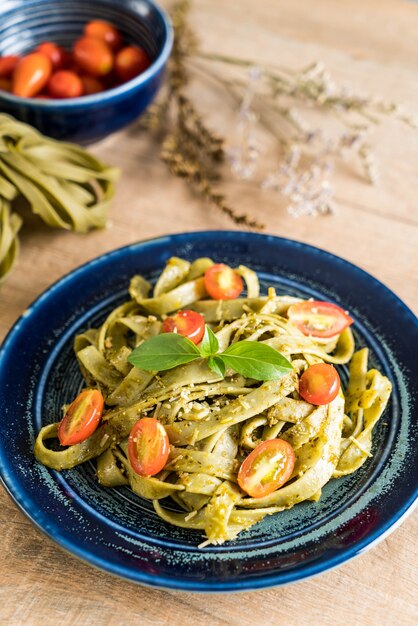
{"points": [[187, 323], [5, 84], [65, 84], [319, 319], [222, 283], [93, 56], [105, 31], [319, 384], [31, 74], [148, 447], [8, 64], [56, 54], [130, 62], [266, 468], [91, 85], [82, 417]]}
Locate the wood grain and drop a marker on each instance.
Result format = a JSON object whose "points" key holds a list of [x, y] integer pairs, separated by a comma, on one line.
{"points": [[371, 46]]}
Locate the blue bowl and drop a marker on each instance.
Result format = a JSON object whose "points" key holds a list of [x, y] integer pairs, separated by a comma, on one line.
{"points": [[24, 24]]}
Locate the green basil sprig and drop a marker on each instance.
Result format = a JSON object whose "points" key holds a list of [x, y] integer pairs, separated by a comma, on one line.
{"points": [[249, 358]]}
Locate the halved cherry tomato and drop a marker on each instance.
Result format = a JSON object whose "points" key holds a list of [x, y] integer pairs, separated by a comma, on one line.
{"points": [[266, 468], [82, 417], [187, 323], [8, 64], [319, 384], [222, 283], [319, 319], [148, 447], [31, 74], [93, 56], [56, 54], [91, 85], [65, 84], [5, 84], [105, 31], [130, 62]]}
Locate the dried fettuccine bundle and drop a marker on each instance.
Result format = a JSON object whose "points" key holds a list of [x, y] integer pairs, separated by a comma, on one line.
{"points": [[62, 183], [10, 224]]}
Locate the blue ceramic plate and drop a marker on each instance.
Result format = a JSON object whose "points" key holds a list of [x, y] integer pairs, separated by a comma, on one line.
{"points": [[116, 530]]}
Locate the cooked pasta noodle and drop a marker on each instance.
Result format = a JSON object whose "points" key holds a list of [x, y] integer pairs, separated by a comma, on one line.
{"points": [[213, 423]]}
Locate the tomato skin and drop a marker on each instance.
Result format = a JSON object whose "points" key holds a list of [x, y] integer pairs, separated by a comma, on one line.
{"points": [[8, 64], [91, 85], [319, 319], [222, 282], [81, 418], [5, 84], [65, 84], [187, 323], [56, 54], [31, 74], [319, 384], [105, 31], [130, 62], [148, 447], [93, 56], [255, 482]]}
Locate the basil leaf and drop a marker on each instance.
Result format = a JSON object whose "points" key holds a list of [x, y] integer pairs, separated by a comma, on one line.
{"points": [[256, 360], [217, 365], [209, 345], [164, 352]]}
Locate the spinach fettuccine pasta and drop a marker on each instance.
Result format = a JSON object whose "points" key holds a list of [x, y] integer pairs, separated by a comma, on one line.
{"points": [[61, 182], [229, 407]]}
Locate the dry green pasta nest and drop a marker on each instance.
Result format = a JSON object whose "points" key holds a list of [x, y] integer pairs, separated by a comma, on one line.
{"points": [[213, 423], [61, 182]]}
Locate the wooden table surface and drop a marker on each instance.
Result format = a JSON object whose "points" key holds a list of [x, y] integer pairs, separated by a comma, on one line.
{"points": [[371, 46]]}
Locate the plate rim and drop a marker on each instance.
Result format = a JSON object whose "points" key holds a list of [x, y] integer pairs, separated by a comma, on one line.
{"points": [[160, 580]]}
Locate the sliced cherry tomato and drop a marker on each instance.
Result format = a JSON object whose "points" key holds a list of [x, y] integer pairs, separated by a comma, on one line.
{"points": [[91, 85], [266, 468], [130, 62], [148, 447], [93, 56], [31, 74], [222, 283], [187, 323], [8, 64], [65, 84], [319, 319], [82, 417], [105, 31], [319, 384], [57, 55], [5, 84]]}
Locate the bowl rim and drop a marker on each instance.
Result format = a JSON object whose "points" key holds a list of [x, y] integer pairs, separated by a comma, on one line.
{"points": [[114, 92]]}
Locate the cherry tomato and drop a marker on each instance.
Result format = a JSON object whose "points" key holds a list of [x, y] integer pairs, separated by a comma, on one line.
{"points": [[82, 417], [31, 74], [266, 468], [148, 447], [187, 323], [222, 283], [319, 384], [5, 84], [319, 319], [105, 31], [65, 84], [8, 64], [93, 56], [91, 85], [130, 62], [56, 54]]}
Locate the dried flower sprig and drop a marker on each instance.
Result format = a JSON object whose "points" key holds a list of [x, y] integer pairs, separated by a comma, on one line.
{"points": [[268, 97], [189, 147]]}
